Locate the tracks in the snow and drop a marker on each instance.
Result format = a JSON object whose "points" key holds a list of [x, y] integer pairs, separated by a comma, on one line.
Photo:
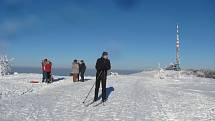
{"points": [[133, 98]]}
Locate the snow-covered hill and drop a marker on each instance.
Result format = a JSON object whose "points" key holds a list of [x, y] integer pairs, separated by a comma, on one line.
{"points": [[137, 97]]}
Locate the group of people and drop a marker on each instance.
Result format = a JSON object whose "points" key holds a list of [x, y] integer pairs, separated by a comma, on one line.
{"points": [[47, 69], [78, 69]]}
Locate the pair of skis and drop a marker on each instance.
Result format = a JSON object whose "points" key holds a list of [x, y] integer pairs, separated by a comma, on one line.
{"points": [[91, 90], [92, 103], [102, 102]]}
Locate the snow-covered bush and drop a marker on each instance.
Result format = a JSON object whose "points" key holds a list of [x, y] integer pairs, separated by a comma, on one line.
{"points": [[114, 74], [202, 73], [4, 65], [161, 74]]}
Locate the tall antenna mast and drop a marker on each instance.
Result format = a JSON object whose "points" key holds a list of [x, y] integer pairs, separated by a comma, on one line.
{"points": [[177, 67]]}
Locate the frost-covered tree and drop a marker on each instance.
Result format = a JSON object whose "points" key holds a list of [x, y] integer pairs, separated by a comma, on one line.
{"points": [[5, 67]]}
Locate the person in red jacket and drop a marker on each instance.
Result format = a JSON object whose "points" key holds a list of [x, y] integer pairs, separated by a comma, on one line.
{"points": [[43, 69], [48, 70]]}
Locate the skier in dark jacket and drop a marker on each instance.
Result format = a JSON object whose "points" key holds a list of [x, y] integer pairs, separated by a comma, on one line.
{"points": [[102, 66], [82, 69]]}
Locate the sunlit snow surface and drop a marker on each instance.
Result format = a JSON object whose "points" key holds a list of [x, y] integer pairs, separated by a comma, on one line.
{"points": [[136, 97]]}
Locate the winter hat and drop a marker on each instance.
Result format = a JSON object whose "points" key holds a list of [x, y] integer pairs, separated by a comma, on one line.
{"points": [[104, 53]]}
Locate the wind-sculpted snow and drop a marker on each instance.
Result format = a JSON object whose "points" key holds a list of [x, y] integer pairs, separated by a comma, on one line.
{"points": [[136, 97]]}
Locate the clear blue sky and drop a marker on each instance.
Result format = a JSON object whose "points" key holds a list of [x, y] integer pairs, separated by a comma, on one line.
{"points": [[137, 33]]}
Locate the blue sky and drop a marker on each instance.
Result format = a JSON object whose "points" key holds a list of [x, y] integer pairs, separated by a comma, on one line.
{"points": [[137, 33]]}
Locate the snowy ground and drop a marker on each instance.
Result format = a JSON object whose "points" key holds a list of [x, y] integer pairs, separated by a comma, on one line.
{"points": [[137, 97]]}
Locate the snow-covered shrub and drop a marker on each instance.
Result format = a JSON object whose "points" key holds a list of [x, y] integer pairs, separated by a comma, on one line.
{"points": [[4, 65], [114, 74], [161, 74], [204, 73]]}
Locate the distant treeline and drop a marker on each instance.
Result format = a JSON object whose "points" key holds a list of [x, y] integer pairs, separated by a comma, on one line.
{"points": [[203, 73]]}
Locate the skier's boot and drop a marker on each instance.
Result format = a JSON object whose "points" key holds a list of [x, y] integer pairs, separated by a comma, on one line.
{"points": [[104, 100], [95, 99]]}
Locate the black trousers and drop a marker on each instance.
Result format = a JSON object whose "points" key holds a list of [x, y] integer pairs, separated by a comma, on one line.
{"points": [[98, 81], [78, 77], [82, 76], [48, 77]]}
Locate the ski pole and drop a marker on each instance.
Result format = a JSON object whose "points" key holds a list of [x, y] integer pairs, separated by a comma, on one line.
{"points": [[91, 88]]}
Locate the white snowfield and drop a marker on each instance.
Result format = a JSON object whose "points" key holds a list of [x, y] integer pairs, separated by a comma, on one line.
{"points": [[136, 97]]}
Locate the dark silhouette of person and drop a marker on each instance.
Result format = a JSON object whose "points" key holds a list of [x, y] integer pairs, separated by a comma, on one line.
{"points": [[102, 66], [82, 69]]}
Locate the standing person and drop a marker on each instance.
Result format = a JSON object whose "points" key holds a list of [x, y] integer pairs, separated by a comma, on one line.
{"points": [[79, 62], [43, 69], [82, 69], [48, 69], [102, 66], [75, 70]]}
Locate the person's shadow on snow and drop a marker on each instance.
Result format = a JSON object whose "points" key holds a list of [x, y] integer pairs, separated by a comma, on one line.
{"points": [[109, 90], [58, 79]]}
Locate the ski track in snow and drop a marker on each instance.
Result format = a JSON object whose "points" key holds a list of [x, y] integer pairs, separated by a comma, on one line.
{"points": [[137, 97]]}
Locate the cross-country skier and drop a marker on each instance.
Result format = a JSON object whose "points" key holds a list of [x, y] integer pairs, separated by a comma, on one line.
{"points": [[102, 66]]}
